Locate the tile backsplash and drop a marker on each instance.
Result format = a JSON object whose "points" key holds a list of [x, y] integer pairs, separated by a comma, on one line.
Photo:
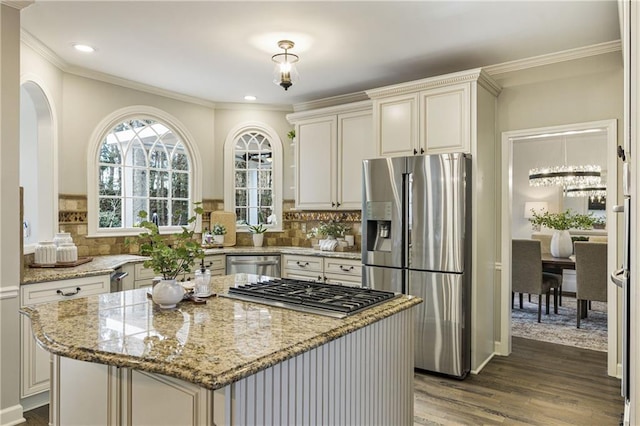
{"points": [[296, 224]]}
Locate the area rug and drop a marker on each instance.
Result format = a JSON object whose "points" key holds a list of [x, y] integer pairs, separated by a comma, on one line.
{"points": [[561, 328]]}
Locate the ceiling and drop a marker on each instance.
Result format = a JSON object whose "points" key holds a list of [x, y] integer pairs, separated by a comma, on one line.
{"points": [[220, 51]]}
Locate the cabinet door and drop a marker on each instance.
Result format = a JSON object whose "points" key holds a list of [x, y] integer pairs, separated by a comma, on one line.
{"points": [[396, 125], [445, 124], [35, 363], [355, 133], [316, 176]]}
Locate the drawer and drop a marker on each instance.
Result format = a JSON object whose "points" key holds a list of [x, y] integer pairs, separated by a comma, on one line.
{"points": [[343, 279], [342, 266], [143, 273], [213, 262], [52, 291], [302, 275], [302, 263], [143, 283]]}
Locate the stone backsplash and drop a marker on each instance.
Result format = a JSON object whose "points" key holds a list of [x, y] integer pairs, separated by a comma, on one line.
{"points": [[296, 224]]}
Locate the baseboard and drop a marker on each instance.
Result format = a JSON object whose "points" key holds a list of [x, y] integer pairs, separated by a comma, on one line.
{"points": [[486, 361], [35, 401], [11, 416]]}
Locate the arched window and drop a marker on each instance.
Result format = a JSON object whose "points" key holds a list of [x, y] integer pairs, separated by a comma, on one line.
{"points": [[253, 156], [142, 163]]}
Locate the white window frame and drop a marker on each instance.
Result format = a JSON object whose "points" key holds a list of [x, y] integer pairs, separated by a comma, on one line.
{"points": [[97, 137], [277, 166]]}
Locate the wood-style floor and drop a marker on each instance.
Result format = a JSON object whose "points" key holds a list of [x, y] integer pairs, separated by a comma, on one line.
{"points": [[539, 384]]}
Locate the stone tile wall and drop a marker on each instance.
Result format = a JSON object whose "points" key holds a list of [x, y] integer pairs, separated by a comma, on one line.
{"points": [[72, 218]]}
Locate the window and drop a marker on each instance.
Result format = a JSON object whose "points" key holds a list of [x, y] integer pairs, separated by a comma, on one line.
{"points": [[142, 164], [252, 190]]}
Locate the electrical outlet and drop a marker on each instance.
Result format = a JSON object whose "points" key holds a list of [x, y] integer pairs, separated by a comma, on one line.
{"points": [[303, 228]]}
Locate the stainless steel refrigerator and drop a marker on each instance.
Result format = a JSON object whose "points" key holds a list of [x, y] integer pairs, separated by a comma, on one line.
{"points": [[416, 230]]}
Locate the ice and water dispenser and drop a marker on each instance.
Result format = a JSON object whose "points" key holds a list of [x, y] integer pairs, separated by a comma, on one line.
{"points": [[378, 225]]}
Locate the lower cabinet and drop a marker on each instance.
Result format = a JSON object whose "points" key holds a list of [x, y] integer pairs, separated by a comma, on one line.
{"points": [[35, 361], [128, 397], [143, 277], [331, 270]]}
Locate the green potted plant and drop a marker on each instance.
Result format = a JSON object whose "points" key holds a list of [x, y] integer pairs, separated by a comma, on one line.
{"points": [[258, 234], [332, 230], [218, 230], [168, 257], [561, 244]]}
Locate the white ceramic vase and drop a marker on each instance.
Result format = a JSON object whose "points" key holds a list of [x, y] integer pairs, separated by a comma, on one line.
{"points": [[561, 244], [167, 293], [258, 239], [218, 239]]}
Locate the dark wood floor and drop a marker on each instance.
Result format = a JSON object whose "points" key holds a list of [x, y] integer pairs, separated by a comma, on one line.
{"points": [[539, 384]]}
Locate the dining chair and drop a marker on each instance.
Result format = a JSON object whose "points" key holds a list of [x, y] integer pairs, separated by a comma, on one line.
{"points": [[545, 245], [527, 275], [591, 275]]}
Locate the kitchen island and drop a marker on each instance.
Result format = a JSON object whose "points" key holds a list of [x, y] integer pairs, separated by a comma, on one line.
{"points": [[118, 358]]}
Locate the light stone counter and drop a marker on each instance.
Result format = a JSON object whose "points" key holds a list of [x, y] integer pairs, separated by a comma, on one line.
{"points": [[101, 265], [212, 345]]}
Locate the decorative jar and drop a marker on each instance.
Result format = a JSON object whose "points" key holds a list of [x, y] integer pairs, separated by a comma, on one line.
{"points": [[45, 253], [203, 283], [62, 238], [67, 253], [561, 244]]}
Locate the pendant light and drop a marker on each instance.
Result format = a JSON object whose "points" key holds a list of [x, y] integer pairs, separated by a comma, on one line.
{"points": [[285, 73], [565, 175]]}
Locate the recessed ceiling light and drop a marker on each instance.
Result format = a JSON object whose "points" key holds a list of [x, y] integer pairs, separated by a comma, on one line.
{"points": [[250, 98], [85, 48]]}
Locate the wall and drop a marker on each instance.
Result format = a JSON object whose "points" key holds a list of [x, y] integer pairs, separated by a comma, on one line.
{"points": [[588, 89]]}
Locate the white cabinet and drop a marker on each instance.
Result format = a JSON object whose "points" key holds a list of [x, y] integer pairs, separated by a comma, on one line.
{"points": [[331, 144], [143, 277], [431, 116], [331, 270], [35, 361]]}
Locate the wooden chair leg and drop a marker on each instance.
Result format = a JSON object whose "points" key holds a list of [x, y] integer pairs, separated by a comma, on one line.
{"points": [[555, 300], [520, 300], [539, 306], [548, 296], [529, 298], [559, 295]]}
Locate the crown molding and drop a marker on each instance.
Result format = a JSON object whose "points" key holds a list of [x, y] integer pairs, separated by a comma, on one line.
{"points": [[253, 106], [554, 58], [331, 101], [41, 49], [366, 105], [17, 4], [474, 75]]}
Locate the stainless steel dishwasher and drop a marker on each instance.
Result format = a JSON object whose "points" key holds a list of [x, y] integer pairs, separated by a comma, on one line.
{"points": [[268, 265]]}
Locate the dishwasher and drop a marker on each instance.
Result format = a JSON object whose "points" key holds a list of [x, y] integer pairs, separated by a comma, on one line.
{"points": [[268, 265]]}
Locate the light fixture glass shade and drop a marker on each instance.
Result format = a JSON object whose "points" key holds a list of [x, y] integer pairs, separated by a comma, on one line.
{"points": [[535, 206], [285, 72], [565, 176]]}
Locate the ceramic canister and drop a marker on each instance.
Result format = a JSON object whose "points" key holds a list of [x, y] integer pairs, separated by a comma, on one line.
{"points": [[62, 237], [67, 253], [45, 253]]}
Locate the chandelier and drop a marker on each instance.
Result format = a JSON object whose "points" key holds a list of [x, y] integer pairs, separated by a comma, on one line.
{"points": [[565, 175], [595, 192], [285, 74]]}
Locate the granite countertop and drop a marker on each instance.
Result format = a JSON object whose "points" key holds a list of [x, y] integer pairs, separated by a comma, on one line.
{"points": [[211, 345], [101, 265]]}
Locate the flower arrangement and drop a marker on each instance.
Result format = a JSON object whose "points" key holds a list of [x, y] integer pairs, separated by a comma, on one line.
{"points": [[563, 220], [169, 260], [257, 229], [331, 229], [218, 229]]}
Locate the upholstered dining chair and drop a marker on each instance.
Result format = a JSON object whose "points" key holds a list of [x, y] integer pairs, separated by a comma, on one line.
{"points": [[591, 275], [527, 275], [545, 245]]}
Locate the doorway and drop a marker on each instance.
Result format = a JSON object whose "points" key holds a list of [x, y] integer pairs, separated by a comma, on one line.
{"points": [[509, 141]]}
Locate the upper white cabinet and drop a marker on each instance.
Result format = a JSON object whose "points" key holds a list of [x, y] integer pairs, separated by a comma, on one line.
{"points": [[332, 142], [430, 116]]}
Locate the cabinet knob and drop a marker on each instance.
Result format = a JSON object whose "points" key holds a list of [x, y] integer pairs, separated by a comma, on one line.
{"points": [[333, 204], [415, 151], [421, 150], [337, 204]]}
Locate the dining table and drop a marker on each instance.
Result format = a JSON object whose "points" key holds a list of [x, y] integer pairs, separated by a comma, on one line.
{"points": [[555, 265]]}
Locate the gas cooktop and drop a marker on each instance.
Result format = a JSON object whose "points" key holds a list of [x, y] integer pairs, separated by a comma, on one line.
{"points": [[309, 296]]}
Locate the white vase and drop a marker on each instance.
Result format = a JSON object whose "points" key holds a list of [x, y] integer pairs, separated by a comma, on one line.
{"points": [[167, 293], [218, 239], [258, 239], [561, 244]]}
